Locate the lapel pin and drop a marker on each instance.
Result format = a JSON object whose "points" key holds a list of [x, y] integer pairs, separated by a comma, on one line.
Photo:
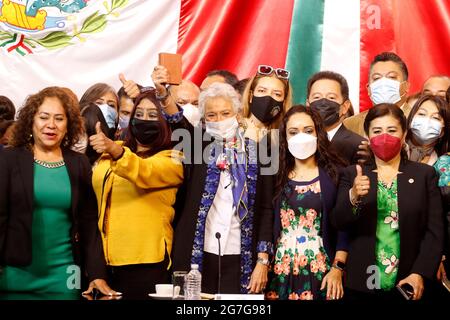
{"points": [[411, 180]]}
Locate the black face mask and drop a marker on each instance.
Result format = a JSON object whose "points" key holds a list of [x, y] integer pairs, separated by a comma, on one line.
{"points": [[328, 110], [145, 131], [265, 108]]}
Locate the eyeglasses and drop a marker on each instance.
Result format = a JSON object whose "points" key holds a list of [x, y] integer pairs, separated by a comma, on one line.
{"points": [[268, 70]]}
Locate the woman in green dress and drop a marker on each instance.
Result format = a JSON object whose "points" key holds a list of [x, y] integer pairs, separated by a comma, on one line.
{"points": [[391, 208], [48, 219]]}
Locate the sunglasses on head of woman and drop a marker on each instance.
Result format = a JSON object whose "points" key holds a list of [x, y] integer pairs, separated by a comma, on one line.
{"points": [[268, 70]]}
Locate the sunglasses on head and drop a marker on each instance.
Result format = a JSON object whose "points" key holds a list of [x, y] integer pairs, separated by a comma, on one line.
{"points": [[268, 70]]}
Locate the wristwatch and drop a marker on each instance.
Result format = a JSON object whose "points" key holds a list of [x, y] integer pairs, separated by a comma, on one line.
{"points": [[338, 264], [265, 262]]}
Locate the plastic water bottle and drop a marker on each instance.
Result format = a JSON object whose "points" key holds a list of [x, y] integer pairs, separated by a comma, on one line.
{"points": [[193, 283]]}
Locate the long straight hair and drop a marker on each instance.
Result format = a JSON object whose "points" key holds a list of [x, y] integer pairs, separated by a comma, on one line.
{"points": [[250, 89], [95, 92], [442, 144], [326, 157]]}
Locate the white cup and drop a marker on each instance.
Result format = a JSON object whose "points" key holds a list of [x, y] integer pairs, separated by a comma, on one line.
{"points": [[164, 289]]}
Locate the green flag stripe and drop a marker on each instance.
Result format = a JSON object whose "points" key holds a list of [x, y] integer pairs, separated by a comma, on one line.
{"points": [[305, 44]]}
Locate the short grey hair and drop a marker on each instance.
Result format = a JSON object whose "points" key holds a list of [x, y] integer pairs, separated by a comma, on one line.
{"points": [[222, 90]]}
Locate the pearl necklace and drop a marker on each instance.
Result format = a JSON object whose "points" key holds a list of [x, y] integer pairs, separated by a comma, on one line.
{"points": [[50, 165]]}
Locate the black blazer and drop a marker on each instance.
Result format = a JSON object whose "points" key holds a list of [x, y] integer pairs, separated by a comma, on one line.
{"points": [[346, 144], [445, 192], [189, 196], [16, 211], [420, 223]]}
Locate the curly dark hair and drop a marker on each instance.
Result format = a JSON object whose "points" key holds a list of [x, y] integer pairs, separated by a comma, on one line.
{"points": [[23, 127], [326, 156]]}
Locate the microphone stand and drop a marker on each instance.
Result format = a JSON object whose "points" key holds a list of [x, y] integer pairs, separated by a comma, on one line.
{"points": [[218, 235]]}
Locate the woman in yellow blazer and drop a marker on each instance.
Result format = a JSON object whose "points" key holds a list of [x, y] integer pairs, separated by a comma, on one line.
{"points": [[135, 182]]}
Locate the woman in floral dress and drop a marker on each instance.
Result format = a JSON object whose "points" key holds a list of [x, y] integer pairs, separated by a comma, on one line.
{"points": [[442, 167], [310, 254]]}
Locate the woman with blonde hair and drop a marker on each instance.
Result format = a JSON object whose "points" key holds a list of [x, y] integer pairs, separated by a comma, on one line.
{"points": [[267, 97]]}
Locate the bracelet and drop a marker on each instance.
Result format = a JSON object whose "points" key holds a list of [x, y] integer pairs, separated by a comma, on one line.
{"points": [[264, 262]]}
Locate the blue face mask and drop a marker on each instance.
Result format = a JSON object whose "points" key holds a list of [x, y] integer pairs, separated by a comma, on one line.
{"points": [[123, 122], [385, 90], [426, 130], [110, 114]]}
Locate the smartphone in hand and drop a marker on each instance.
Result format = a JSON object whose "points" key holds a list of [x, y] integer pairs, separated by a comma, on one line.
{"points": [[406, 290], [173, 64], [446, 283]]}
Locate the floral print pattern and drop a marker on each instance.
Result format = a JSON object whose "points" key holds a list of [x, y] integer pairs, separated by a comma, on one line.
{"points": [[300, 259], [211, 185], [390, 263], [442, 167], [392, 220], [173, 118], [387, 235]]}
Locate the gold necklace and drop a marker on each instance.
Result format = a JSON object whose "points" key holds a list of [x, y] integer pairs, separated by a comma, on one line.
{"points": [[50, 165]]}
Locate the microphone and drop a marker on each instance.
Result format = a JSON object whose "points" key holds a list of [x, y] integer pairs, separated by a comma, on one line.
{"points": [[218, 235]]}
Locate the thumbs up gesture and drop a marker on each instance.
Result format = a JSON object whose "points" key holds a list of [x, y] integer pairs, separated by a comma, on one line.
{"points": [[361, 184], [99, 141], [130, 87]]}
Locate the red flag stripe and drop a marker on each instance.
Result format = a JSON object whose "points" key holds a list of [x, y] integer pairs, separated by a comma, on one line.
{"points": [[418, 31], [233, 35]]}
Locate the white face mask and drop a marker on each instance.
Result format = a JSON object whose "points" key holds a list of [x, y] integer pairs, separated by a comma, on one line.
{"points": [[225, 129], [385, 90], [109, 113], [192, 114], [426, 130], [302, 145]]}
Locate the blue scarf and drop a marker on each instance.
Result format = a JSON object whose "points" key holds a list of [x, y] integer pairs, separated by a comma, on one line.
{"points": [[235, 156], [238, 171]]}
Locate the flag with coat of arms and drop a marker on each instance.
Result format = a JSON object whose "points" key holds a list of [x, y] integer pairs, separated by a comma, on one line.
{"points": [[76, 43]]}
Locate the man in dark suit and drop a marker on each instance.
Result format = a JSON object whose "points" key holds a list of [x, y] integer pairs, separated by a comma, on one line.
{"points": [[328, 95]]}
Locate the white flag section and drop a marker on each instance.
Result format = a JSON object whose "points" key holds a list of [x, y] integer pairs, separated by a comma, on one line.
{"points": [[77, 43], [340, 44]]}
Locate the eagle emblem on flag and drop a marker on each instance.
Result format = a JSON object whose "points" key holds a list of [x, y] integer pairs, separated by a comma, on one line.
{"points": [[30, 25]]}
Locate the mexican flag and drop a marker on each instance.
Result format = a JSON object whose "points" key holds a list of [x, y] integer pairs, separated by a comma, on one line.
{"points": [[76, 43]]}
